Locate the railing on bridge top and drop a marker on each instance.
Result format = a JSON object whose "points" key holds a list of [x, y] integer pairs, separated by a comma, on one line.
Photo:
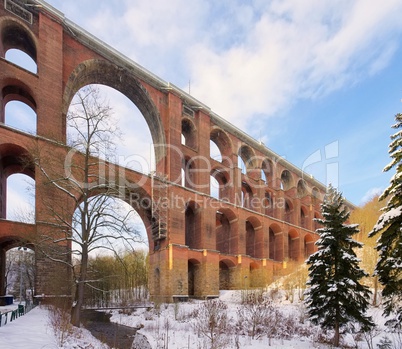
{"points": [[11, 315]]}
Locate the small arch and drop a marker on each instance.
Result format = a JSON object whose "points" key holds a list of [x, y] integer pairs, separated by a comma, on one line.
{"points": [[21, 59], [16, 35], [19, 107], [20, 198], [316, 224], [289, 211], [17, 255], [189, 134], [286, 180], [315, 195], [221, 140], [226, 274], [219, 183], [267, 169], [13, 160], [304, 217], [246, 159], [20, 116], [246, 195], [193, 277], [188, 173], [268, 204], [301, 188]]}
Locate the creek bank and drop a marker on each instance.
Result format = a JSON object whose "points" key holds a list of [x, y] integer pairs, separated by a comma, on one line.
{"points": [[113, 334]]}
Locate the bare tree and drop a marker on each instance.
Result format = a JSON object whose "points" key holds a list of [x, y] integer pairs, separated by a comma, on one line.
{"points": [[83, 203], [212, 322]]}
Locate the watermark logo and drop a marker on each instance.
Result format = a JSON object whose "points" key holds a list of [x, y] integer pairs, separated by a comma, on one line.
{"points": [[213, 183]]}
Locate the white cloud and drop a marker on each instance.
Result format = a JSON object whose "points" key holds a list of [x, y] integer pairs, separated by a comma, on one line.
{"points": [[294, 50], [254, 58], [250, 61]]}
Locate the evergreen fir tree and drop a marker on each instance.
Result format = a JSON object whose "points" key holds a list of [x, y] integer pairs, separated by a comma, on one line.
{"points": [[335, 298], [389, 244]]}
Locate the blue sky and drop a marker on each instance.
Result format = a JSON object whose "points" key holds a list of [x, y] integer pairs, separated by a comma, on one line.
{"points": [[316, 81]]}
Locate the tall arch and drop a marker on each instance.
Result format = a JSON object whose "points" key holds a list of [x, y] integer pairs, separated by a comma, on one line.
{"points": [[98, 71], [275, 242], [226, 232], [293, 245], [192, 226], [308, 245], [254, 243]]}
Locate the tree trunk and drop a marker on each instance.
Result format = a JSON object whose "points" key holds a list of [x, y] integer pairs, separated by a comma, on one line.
{"points": [[80, 288], [336, 335], [375, 293]]}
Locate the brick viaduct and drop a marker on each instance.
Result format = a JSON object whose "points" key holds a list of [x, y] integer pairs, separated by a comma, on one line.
{"points": [[259, 219]]}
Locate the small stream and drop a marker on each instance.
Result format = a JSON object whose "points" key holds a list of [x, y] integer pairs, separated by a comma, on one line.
{"points": [[114, 335]]}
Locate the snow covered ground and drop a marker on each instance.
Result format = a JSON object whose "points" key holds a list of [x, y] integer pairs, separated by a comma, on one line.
{"points": [[173, 326], [33, 331]]}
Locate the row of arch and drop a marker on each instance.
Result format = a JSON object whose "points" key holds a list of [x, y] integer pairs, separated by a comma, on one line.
{"points": [[252, 239], [256, 167]]}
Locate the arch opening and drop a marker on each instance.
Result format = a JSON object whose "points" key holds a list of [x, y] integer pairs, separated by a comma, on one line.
{"points": [[289, 211], [21, 59], [220, 146], [19, 270], [226, 228], [308, 245], [267, 172], [20, 198], [194, 277], [293, 245], [246, 159], [286, 180], [188, 133], [275, 243], [192, 226], [250, 240], [120, 118], [16, 36], [122, 80], [20, 116], [226, 275]]}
